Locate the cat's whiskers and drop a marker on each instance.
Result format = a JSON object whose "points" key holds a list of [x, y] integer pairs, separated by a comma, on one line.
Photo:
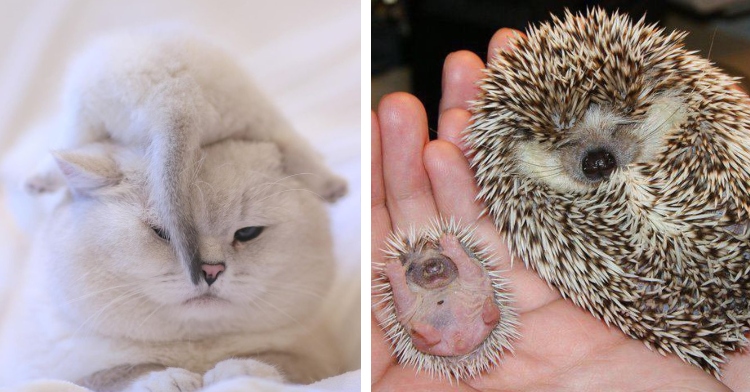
{"points": [[127, 296], [290, 190], [280, 182], [81, 277], [282, 179], [280, 286], [197, 185], [156, 309], [110, 288], [280, 311], [70, 301], [263, 309]]}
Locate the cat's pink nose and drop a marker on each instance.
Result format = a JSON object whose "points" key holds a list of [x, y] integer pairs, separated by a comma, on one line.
{"points": [[211, 271]]}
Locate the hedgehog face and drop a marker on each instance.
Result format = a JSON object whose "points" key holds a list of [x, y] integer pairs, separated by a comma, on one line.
{"points": [[602, 141], [431, 270]]}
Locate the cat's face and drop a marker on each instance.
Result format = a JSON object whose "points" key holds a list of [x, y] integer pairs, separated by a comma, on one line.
{"points": [[266, 237]]}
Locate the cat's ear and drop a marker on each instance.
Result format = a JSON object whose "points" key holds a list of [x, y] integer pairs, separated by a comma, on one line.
{"points": [[88, 169]]}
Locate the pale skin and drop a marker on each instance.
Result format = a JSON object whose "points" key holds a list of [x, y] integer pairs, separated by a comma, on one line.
{"points": [[456, 312], [561, 347]]}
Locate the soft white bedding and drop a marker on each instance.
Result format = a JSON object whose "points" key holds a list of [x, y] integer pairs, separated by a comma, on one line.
{"points": [[304, 54]]}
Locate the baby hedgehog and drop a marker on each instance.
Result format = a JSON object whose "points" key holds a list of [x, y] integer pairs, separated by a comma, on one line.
{"points": [[617, 165], [441, 302]]}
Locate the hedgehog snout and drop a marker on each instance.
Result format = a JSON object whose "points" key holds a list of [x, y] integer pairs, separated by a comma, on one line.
{"points": [[592, 159], [598, 164]]}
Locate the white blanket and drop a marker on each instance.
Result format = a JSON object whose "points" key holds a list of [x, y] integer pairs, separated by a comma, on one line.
{"points": [[304, 54]]}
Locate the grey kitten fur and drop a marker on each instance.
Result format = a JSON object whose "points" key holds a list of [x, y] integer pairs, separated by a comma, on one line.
{"points": [[616, 162]]}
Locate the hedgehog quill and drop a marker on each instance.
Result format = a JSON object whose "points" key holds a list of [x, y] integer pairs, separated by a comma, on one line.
{"points": [[443, 304], [616, 163]]}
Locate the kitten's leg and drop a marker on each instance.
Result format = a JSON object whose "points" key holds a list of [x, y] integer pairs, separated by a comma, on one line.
{"points": [[46, 177], [232, 368], [300, 158]]}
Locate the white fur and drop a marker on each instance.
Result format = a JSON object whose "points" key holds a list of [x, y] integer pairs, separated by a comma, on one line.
{"points": [[103, 290], [167, 380], [234, 368], [167, 94], [667, 113]]}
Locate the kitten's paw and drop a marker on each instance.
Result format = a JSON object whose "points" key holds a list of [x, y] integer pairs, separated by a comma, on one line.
{"points": [[41, 183], [168, 380], [333, 188], [232, 368]]}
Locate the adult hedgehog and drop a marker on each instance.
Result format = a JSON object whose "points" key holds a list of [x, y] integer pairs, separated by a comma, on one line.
{"points": [[616, 163]]}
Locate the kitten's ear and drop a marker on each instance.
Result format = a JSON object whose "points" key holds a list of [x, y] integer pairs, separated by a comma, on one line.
{"points": [[88, 169]]}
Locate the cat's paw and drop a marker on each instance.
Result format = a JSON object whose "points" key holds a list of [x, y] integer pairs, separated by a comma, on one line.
{"points": [[332, 188], [41, 183], [168, 380], [232, 368]]}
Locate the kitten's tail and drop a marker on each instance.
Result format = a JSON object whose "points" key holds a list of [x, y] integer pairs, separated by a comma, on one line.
{"points": [[174, 154]]}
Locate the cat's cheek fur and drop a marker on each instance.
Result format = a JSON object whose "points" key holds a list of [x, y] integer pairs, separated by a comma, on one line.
{"points": [[107, 250]]}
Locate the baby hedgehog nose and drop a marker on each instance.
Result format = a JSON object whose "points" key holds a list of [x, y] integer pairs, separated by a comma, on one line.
{"points": [[211, 271], [598, 164]]}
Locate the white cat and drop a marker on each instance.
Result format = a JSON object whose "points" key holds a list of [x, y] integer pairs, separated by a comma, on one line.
{"points": [[106, 303], [192, 242], [167, 94]]}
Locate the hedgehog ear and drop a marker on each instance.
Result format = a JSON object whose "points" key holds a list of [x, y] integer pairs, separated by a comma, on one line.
{"points": [[88, 169]]}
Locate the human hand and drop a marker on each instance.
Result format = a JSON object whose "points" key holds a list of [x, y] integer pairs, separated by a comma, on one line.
{"points": [[562, 347]]}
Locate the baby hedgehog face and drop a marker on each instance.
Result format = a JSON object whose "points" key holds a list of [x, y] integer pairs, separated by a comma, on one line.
{"points": [[442, 305], [618, 165]]}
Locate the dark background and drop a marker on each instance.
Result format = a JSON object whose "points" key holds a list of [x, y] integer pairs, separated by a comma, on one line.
{"points": [[410, 39]]}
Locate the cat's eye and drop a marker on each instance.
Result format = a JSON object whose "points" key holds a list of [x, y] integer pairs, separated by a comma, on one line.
{"points": [[248, 233], [160, 232]]}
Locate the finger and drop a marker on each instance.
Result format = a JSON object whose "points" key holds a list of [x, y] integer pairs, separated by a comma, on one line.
{"points": [[381, 223], [451, 125], [461, 72], [453, 182], [403, 135], [739, 88], [455, 194], [380, 352], [502, 40], [406, 378], [734, 374]]}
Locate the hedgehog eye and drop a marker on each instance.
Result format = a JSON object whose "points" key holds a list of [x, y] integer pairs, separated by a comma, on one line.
{"points": [[160, 232], [432, 273], [524, 133], [568, 144], [248, 233]]}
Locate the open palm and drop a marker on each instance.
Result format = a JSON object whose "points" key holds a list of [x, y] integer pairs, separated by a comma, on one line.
{"points": [[561, 346]]}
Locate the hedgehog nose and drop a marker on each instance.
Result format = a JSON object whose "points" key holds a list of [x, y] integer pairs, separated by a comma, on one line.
{"points": [[598, 164], [211, 272]]}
